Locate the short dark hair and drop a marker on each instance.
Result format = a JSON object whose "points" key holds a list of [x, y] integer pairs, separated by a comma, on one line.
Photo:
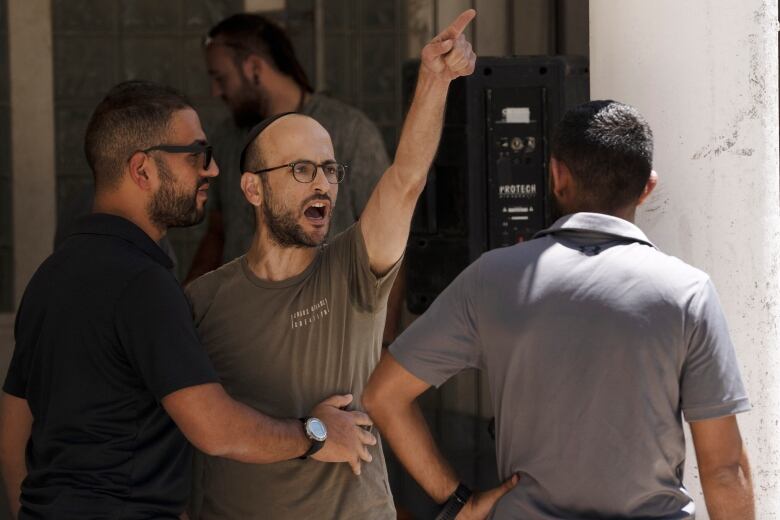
{"points": [[133, 116], [248, 34], [608, 146]]}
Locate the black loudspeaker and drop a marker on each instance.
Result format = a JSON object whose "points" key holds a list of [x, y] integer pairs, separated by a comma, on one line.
{"points": [[488, 185]]}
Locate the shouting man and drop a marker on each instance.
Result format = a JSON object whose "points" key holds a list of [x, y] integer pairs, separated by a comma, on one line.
{"points": [[294, 320]]}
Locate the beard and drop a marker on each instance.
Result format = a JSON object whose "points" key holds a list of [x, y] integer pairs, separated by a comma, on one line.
{"points": [[282, 223], [251, 107], [171, 208]]}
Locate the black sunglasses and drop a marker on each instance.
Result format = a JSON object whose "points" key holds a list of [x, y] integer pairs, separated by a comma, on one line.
{"points": [[205, 149]]}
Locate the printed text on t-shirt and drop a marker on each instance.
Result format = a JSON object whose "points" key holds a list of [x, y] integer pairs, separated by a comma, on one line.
{"points": [[310, 314]]}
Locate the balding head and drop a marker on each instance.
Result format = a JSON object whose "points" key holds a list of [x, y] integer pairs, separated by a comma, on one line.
{"points": [[294, 198], [286, 139]]}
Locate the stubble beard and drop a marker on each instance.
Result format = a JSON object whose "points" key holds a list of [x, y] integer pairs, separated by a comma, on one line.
{"points": [[282, 224], [170, 208]]}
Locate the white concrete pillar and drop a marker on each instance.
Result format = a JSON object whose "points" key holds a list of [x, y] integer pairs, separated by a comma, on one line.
{"points": [[705, 75]]}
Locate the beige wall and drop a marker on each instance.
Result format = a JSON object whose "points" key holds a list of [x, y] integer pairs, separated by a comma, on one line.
{"points": [[32, 142], [32, 136], [261, 6]]}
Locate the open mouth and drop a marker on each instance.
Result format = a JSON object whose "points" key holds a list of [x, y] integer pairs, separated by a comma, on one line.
{"points": [[317, 211]]}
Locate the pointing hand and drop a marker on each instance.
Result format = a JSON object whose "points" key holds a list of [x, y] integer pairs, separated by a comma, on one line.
{"points": [[449, 55]]}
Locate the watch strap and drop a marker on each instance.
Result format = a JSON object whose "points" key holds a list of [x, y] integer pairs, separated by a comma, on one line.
{"points": [[315, 444], [455, 503]]}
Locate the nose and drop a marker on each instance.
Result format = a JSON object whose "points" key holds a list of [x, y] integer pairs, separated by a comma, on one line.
{"points": [[320, 182], [212, 170]]}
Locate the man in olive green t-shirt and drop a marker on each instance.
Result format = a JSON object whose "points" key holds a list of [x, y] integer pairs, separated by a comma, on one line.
{"points": [[294, 320], [278, 344]]}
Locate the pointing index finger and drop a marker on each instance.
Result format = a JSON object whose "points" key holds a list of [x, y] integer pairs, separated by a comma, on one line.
{"points": [[461, 22]]}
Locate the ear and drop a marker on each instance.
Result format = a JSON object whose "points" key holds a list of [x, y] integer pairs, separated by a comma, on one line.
{"points": [[139, 165], [652, 182], [252, 188], [560, 177], [252, 67]]}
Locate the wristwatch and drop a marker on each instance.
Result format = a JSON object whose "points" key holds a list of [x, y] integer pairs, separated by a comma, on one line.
{"points": [[455, 503], [316, 432]]}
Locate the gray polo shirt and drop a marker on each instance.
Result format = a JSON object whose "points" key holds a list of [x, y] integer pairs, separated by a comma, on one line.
{"points": [[595, 344], [356, 142]]}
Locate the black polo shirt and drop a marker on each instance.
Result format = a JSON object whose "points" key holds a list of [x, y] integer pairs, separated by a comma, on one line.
{"points": [[103, 333]]}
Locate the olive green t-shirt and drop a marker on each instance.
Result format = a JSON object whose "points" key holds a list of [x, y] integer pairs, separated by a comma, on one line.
{"points": [[281, 348]]}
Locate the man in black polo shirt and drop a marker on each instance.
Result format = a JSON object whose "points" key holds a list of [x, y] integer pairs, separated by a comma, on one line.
{"points": [[105, 345]]}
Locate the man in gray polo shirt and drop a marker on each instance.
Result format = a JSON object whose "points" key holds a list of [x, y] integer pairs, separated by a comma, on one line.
{"points": [[595, 345]]}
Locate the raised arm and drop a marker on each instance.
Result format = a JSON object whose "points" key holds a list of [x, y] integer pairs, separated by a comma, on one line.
{"points": [[723, 469], [15, 426], [386, 220]]}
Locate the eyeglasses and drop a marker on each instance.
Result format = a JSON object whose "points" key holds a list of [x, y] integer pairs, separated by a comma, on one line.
{"points": [[306, 171], [194, 148]]}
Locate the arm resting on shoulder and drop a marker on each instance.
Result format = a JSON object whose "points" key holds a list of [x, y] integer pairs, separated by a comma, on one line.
{"points": [[723, 469], [15, 427]]}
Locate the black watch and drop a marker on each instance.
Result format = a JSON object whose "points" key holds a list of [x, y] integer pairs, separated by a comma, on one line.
{"points": [[455, 503], [316, 432]]}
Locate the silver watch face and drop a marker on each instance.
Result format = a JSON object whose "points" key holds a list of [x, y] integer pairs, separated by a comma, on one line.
{"points": [[316, 429]]}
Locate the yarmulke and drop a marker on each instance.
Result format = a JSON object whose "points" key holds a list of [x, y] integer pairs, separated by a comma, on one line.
{"points": [[256, 130]]}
